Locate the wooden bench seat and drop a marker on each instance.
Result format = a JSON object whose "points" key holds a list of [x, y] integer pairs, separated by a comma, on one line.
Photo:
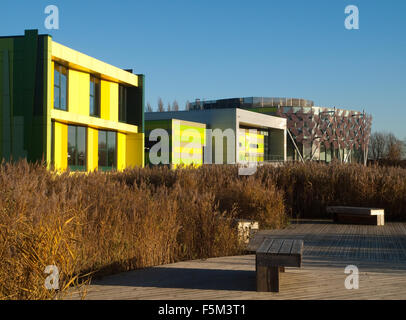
{"points": [[358, 215], [272, 256]]}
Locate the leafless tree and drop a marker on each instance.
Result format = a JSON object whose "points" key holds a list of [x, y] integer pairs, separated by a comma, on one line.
{"points": [[404, 149], [394, 147], [168, 108], [377, 146], [187, 106], [384, 145], [160, 105], [175, 106], [149, 108]]}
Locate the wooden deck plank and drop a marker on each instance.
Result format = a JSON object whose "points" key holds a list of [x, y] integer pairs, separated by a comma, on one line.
{"points": [[275, 246], [264, 247], [297, 247], [286, 247]]}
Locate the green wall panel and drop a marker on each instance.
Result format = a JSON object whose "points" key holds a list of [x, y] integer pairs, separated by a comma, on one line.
{"points": [[23, 111], [6, 69], [136, 104]]}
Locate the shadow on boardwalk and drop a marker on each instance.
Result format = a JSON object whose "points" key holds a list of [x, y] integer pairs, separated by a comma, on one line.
{"points": [[187, 278]]}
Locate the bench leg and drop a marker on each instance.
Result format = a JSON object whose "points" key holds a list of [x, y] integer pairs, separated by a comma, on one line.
{"points": [[274, 279], [268, 279], [381, 220], [262, 279]]}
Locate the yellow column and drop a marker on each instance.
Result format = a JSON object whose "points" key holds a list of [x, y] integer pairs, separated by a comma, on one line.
{"points": [[61, 146], [92, 149], [121, 151], [79, 92], [135, 150]]}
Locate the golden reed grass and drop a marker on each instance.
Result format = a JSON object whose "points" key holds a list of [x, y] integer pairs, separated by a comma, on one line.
{"points": [[97, 224], [308, 188]]}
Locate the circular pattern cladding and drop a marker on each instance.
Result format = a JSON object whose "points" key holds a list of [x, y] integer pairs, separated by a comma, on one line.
{"points": [[333, 128]]}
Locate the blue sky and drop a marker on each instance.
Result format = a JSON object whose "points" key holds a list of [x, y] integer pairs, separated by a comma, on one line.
{"points": [[219, 49]]}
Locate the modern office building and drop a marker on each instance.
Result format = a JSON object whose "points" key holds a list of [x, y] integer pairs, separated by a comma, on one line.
{"points": [[184, 142], [66, 108], [314, 132], [233, 135]]}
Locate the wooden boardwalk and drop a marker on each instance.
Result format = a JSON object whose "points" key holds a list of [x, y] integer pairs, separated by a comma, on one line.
{"points": [[378, 252]]}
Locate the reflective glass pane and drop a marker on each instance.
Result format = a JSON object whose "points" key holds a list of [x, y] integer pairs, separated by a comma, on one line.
{"points": [[56, 76], [122, 103], [81, 146], [91, 87], [56, 97], [102, 149], [111, 139], [91, 105], [63, 91], [102, 140], [96, 99], [72, 145], [111, 143]]}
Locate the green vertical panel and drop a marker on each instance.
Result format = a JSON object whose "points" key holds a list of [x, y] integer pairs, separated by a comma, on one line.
{"points": [[38, 147], [29, 57], [23, 93], [5, 108], [28, 95], [47, 126], [6, 51], [141, 97], [1, 102], [135, 104]]}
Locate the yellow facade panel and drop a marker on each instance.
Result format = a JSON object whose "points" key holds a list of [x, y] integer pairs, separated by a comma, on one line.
{"points": [[79, 92], [109, 101], [113, 110], [61, 146], [105, 100], [92, 149], [135, 150], [121, 151]]}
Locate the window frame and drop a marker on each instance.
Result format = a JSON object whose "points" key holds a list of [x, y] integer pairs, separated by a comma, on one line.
{"points": [[122, 103], [96, 95], [107, 168], [60, 68], [77, 167]]}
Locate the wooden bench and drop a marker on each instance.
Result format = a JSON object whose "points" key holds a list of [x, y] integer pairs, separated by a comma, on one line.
{"points": [[272, 256], [358, 215]]}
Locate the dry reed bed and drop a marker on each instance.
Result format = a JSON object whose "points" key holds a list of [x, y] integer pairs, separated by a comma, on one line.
{"points": [[308, 188], [105, 223]]}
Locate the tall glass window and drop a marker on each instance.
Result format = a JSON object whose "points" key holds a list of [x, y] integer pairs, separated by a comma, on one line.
{"points": [[107, 150], [77, 148], [122, 103], [60, 87], [94, 97]]}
